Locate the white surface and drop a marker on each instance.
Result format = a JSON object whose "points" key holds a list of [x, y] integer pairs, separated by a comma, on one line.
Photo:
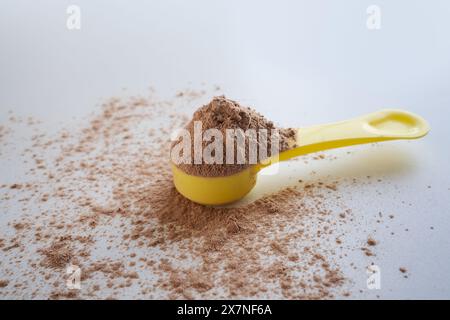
{"points": [[298, 62]]}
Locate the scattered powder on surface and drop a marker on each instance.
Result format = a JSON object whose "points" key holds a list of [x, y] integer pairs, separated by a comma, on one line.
{"points": [[371, 242], [100, 197], [404, 271], [58, 255]]}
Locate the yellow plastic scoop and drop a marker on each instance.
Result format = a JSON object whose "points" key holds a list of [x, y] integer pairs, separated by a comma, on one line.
{"points": [[375, 127]]}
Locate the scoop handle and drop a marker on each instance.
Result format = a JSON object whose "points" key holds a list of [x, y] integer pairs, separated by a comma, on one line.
{"points": [[383, 125]]}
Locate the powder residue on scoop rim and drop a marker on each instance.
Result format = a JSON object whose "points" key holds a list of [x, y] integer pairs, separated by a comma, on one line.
{"points": [[222, 114]]}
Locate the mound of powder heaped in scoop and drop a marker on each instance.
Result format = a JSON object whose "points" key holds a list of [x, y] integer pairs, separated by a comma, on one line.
{"points": [[222, 114]]}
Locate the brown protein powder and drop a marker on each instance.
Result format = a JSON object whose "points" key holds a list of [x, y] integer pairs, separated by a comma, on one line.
{"points": [[222, 114], [98, 194]]}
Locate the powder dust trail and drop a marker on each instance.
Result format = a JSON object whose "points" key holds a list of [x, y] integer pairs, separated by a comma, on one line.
{"points": [[100, 197]]}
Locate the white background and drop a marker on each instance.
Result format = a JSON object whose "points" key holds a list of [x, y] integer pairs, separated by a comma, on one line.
{"points": [[297, 62]]}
